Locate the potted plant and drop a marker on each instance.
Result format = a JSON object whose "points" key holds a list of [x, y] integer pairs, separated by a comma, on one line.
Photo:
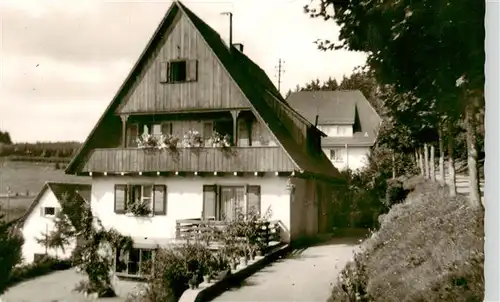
{"points": [[232, 263], [218, 140], [192, 139], [252, 250], [147, 141], [243, 256], [259, 252], [207, 277], [139, 208], [169, 142], [193, 282]]}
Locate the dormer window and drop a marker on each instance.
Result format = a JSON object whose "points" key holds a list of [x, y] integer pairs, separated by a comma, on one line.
{"points": [[179, 71]]}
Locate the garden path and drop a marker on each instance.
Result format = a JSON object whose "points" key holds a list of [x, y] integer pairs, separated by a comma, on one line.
{"points": [[303, 275], [54, 287]]}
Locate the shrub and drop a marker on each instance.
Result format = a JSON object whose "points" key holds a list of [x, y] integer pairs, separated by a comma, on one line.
{"points": [[36, 269], [395, 192], [429, 248], [174, 268], [11, 242]]}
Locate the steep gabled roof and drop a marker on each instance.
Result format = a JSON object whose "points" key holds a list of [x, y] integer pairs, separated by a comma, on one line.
{"points": [[339, 107], [80, 192], [251, 79]]}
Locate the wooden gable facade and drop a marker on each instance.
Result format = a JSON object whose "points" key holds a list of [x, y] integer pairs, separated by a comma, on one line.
{"points": [[188, 79], [208, 85]]}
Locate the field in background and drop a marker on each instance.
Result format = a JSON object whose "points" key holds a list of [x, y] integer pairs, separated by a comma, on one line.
{"points": [[27, 177]]}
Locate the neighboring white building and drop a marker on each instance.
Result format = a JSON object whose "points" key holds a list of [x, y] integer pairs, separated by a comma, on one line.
{"points": [[39, 218], [188, 79], [347, 118]]}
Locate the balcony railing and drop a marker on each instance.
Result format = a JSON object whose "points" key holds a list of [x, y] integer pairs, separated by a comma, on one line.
{"points": [[236, 159], [196, 229]]}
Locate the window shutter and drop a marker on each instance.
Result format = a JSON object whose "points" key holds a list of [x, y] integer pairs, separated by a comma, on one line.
{"points": [[168, 68], [166, 128], [209, 202], [164, 66], [42, 212], [57, 211], [160, 200], [192, 70], [120, 198], [133, 133], [253, 200]]}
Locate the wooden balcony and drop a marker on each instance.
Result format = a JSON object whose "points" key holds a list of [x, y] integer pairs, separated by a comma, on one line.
{"points": [[236, 159]]}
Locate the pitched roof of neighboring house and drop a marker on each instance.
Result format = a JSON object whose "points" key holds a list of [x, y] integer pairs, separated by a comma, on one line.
{"points": [[251, 79], [78, 191], [339, 107]]}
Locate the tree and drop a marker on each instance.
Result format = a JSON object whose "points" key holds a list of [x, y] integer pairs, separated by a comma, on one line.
{"points": [[11, 242], [314, 85], [93, 254], [5, 138], [330, 84], [423, 62]]}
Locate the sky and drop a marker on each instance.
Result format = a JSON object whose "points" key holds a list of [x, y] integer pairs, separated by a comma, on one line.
{"points": [[61, 61]]}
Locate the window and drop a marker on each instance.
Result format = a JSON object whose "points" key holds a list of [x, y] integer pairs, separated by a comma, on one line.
{"points": [[134, 262], [154, 195], [156, 129], [336, 155], [48, 211], [179, 71], [226, 202], [208, 128]]}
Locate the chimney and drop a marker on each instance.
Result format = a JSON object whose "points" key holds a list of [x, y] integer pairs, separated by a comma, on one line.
{"points": [[230, 27], [316, 121], [238, 46]]}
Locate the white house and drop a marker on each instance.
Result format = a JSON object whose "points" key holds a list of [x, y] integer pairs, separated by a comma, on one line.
{"points": [[348, 119], [39, 218], [189, 85]]}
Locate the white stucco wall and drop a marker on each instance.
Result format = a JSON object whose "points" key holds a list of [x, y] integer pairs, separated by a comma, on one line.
{"points": [[35, 225], [353, 158], [336, 130], [184, 201]]}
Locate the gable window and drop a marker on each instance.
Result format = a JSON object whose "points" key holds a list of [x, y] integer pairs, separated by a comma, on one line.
{"points": [[227, 202], [336, 155], [136, 262], [48, 211], [154, 196], [179, 71]]}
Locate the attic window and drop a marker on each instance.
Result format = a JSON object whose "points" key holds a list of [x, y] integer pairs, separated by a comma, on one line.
{"points": [[179, 71], [48, 211]]}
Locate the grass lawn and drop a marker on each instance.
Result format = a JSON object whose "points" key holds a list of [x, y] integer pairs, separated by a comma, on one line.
{"points": [[28, 177], [23, 176], [55, 287]]}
